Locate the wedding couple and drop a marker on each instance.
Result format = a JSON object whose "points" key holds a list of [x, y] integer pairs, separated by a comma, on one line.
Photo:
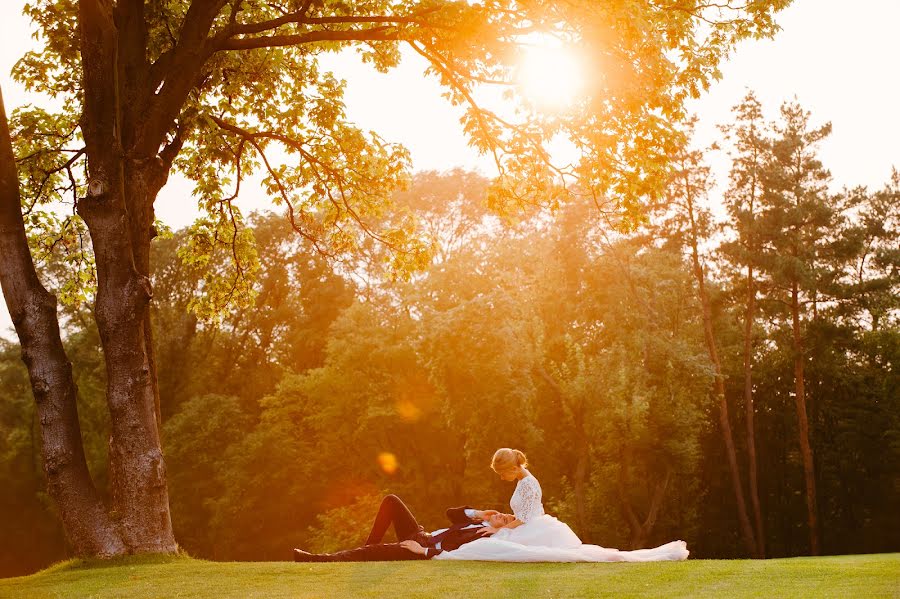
{"points": [[526, 535]]}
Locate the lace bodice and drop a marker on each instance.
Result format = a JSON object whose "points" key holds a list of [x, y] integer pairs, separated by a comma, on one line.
{"points": [[526, 500]]}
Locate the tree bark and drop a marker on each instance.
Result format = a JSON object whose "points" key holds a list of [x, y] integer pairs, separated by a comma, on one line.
{"points": [[803, 423], [143, 180], [87, 525], [136, 468]]}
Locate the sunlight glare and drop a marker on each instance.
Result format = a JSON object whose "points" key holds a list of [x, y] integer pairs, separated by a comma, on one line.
{"points": [[551, 76]]}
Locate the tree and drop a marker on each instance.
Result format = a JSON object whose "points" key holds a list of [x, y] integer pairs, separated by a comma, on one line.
{"points": [[752, 151], [482, 338], [692, 223], [210, 87], [33, 310], [198, 438], [296, 297], [648, 399], [450, 207], [797, 219], [364, 422]]}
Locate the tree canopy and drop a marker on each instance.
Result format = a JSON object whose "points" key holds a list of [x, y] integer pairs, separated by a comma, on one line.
{"points": [[219, 90]]}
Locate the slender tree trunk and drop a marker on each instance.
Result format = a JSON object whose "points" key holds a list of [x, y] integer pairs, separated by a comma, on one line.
{"points": [[724, 418], [803, 423], [748, 403], [86, 522]]}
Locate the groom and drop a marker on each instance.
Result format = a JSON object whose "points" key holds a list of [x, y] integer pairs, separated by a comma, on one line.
{"points": [[467, 525]]}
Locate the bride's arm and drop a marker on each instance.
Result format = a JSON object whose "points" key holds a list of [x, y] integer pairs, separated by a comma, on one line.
{"points": [[503, 532]]}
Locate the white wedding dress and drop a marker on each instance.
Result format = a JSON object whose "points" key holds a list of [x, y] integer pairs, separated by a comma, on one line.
{"points": [[543, 538]]}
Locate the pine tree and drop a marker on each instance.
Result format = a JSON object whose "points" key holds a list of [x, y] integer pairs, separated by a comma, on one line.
{"points": [[797, 216], [751, 151]]}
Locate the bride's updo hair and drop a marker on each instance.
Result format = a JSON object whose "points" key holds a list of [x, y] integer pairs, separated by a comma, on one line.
{"points": [[506, 459]]}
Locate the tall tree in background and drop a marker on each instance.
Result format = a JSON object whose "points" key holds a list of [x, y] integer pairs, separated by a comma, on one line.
{"points": [[655, 377], [749, 159], [798, 217], [211, 88], [688, 219]]}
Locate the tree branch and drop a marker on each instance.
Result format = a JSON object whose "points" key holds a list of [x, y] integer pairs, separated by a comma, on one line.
{"points": [[382, 34], [175, 73], [325, 175], [252, 138], [299, 17]]}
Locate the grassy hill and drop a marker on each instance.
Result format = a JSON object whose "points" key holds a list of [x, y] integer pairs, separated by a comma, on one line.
{"points": [[855, 576]]}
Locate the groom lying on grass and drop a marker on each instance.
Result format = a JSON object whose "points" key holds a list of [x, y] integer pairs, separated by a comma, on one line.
{"points": [[467, 524]]}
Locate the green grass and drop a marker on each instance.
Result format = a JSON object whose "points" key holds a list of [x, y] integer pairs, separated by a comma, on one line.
{"points": [[854, 576]]}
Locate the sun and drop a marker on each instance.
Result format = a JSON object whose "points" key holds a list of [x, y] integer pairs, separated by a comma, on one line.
{"points": [[550, 76]]}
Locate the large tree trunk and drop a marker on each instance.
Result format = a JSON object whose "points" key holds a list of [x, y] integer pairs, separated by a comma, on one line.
{"points": [[143, 180], [136, 467], [748, 404], [803, 423], [113, 215], [86, 522], [719, 384]]}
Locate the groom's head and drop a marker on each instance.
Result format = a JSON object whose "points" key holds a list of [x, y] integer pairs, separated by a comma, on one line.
{"points": [[500, 520]]}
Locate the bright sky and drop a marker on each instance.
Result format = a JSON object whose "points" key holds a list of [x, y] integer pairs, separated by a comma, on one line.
{"points": [[838, 58]]}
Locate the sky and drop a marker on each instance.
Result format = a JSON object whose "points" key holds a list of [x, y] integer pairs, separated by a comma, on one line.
{"points": [[838, 58]]}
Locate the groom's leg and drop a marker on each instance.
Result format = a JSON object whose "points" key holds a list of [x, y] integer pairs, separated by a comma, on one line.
{"points": [[394, 511], [382, 552]]}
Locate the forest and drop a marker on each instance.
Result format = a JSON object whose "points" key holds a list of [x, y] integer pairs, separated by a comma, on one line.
{"points": [[720, 366]]}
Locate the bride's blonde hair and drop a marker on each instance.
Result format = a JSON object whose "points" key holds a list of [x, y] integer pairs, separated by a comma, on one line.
{"points": [[506, 459]]}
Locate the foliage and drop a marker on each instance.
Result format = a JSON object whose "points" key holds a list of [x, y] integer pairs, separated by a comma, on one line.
{"points": [[344, 526], [196, 438], [232, 89]]}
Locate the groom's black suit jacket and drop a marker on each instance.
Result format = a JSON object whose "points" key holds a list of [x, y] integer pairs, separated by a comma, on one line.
{"points": [[455, 536]]}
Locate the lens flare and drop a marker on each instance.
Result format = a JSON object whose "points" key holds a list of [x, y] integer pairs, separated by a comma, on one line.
{"points": [[388, 462], [407, 410]]}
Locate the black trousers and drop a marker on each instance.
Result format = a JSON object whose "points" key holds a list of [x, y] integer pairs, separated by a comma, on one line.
{"points": [[394, 511]]}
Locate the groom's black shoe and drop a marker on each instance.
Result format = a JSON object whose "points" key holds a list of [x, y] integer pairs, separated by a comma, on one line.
{"points": [[305, 556]]}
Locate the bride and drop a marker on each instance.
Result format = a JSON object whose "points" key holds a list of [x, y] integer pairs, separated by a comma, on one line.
{"points": [[535, 536]]}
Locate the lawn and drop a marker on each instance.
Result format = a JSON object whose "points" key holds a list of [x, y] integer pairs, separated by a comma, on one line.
{"points": [[854, 576]]}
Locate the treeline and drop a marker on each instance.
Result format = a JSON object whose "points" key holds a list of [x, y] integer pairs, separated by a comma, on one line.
{"points": [[657, 376]]}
